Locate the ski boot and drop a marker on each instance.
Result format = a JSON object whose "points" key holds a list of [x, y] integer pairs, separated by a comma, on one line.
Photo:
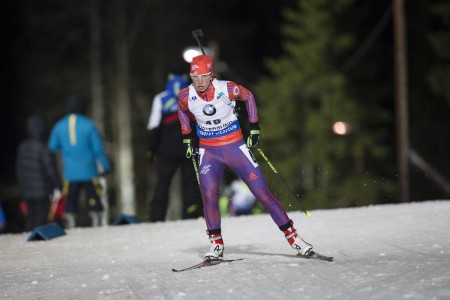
{"points": [[217, 247], [296, 242]]}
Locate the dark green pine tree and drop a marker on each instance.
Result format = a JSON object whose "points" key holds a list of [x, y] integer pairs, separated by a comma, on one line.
{"points": [[302, 99]]}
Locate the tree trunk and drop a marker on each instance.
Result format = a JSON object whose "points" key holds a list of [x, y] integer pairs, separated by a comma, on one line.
{"points": [[97, 86], [95, 59], [122, 122]]}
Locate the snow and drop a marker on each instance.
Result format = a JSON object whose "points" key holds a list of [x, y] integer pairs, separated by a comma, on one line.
{"points": [[381, 252]]}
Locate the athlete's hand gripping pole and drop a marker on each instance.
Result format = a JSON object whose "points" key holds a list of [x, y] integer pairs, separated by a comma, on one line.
{"points": [[253, 135], [189, 145], [307, 213]]}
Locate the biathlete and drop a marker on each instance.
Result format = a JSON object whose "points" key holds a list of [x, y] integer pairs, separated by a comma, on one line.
{"points": [[221, 144]]}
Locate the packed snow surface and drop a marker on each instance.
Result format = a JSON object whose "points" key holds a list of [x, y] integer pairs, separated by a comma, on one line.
{"points": [[381, 252]]}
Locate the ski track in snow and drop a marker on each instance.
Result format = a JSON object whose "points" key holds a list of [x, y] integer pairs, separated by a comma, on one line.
{"points": [[381, 252]]}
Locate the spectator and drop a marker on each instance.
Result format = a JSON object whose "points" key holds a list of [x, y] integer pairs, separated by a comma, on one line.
{"points": [[164, 143], [241, 200], [80, 144], [37, 173]]}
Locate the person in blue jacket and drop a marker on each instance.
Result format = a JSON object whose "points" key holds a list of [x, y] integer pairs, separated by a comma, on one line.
{"points": [[80, 144]]}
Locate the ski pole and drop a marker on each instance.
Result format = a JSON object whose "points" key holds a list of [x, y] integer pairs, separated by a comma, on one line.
{"points": [[196, 34], [196, 169], [194, 162], [307, 213]]}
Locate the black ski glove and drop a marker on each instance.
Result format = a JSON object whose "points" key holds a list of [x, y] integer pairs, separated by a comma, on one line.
{"points": [[189, 144], [253, 136]]}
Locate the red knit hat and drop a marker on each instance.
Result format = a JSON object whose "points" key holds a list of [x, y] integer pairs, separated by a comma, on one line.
{"points": [[201, 64]]}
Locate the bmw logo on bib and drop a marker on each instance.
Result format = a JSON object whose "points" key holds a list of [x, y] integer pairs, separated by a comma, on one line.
{"points": [[209, 110]]}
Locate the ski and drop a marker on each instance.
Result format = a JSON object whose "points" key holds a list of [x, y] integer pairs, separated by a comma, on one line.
{"points": [[213, 262], [315, 255], [206, 263]]}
